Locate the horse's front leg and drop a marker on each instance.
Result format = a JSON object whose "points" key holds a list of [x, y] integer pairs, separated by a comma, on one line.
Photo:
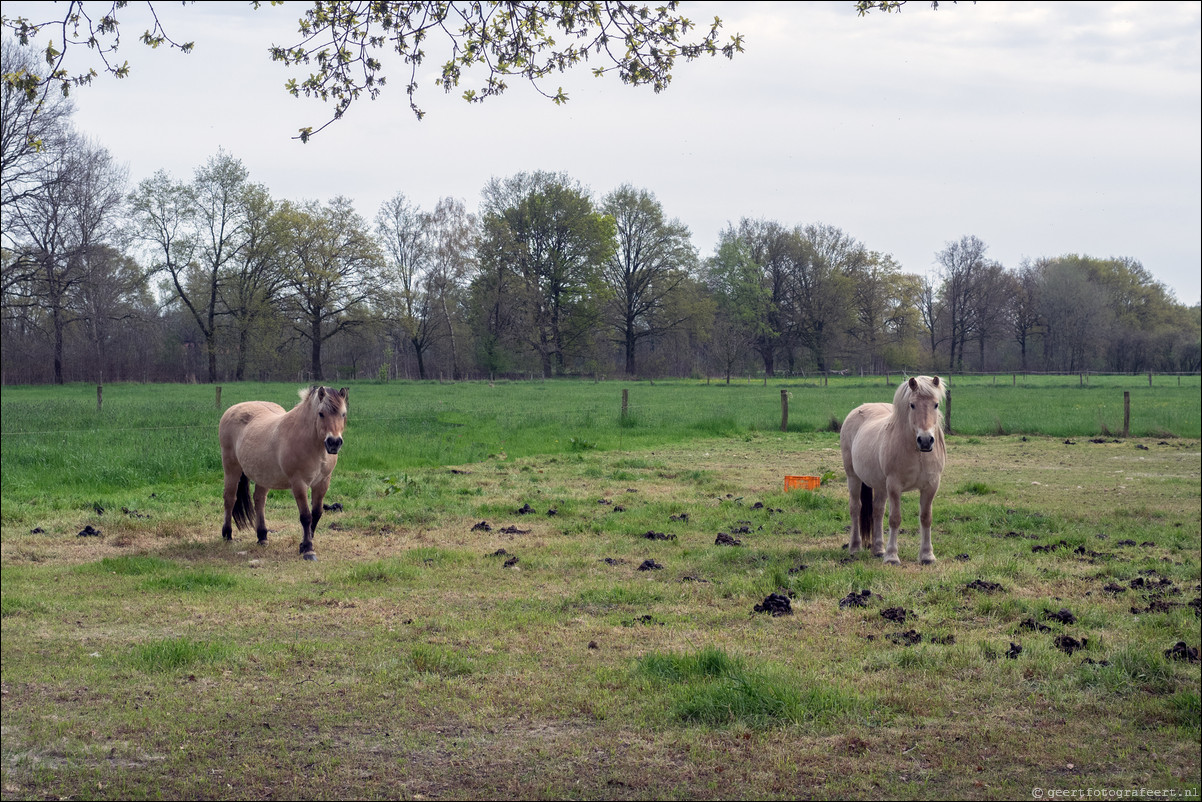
{"points": [[894, 525], [926, 554], [306, 522], [878, 525]]}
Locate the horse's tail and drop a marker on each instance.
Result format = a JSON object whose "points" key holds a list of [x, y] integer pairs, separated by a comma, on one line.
{"points": [[865, 511], [244, 510]]}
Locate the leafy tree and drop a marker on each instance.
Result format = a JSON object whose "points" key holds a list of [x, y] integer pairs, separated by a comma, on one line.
{"points": [[765, 243], [741, 298], [544, 244], [651, 263], [822, 266], [347, 43], [333, 270], [884, 311]]}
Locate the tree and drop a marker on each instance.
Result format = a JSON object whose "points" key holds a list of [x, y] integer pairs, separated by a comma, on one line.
{"points": [[452, 234], [960, 264], [765, 246], [401, 228], [546, 244], [1025, 321], [1076, 314], [741, 297], [822, 264], [56, 232], [345, 43], [254, 277], [33, 132], [197, 235], [334, 269], [883, 310], [652, 261]]}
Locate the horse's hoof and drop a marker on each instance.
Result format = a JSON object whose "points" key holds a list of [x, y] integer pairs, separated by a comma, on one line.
{"points": [[929, 561], [310, 556], [892, 561]]}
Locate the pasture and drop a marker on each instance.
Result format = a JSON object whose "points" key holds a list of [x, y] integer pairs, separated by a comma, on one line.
{"points": [[478, 624]]}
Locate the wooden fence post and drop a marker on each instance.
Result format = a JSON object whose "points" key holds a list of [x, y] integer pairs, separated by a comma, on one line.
{"points": [[99, 396], [625, 400], [1126, 413], [947, 412], [218, 399], [784, 410]]}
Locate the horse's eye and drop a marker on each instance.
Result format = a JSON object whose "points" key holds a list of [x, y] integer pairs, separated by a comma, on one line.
{"points": [[911, 406], [321, 414]]}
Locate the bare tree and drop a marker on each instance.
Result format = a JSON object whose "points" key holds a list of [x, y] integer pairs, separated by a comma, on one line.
{"points": [[58, 229], [401, 228], [959, 263], [452, 234]]}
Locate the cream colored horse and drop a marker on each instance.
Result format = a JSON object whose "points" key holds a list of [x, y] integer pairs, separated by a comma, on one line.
{"points": [[278, 450], [890, 449]]}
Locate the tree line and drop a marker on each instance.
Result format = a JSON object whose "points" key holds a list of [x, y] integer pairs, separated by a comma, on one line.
{"points": [[212, 278]]}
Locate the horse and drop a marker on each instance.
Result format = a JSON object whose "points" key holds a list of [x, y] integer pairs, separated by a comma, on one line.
{"points": [[278, 450], [890, 449]]}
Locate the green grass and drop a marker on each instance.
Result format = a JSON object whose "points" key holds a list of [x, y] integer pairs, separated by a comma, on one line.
{"points": [[414, 658]]}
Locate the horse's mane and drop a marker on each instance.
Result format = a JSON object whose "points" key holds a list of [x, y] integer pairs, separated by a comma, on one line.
{"points": [[926, 385], [330, 404]]}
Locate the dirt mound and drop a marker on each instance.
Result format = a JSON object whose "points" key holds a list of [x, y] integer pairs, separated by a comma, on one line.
{"points": [[1182, 651], [776, 604], [983, 586], [855, 599], [1062, 615]]}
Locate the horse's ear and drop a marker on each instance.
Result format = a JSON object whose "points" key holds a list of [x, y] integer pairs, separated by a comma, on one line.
{"points": [[321, 393], [343, 392], [935, 380], [913, 383]]}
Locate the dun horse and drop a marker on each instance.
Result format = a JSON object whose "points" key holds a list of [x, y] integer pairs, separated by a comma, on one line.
{"points": [[890, 449], [279, 450]]}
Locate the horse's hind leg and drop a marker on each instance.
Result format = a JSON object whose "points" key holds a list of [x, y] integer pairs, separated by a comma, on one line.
{"points": [[261, 513], [854, 490], [229, 496]]}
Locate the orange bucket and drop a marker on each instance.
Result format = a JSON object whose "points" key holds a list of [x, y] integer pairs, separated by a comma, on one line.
{"points": [[802, 482]]}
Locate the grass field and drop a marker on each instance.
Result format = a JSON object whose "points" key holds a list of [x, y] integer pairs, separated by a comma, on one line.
{"points": [[447, 646]]}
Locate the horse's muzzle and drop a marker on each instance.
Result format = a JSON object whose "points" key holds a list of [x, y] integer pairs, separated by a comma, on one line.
{"points": [[333, 444], [926, 442]]}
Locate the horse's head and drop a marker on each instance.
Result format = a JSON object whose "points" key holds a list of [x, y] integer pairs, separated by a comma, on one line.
{"points": [[329, 413], [921, 394]]}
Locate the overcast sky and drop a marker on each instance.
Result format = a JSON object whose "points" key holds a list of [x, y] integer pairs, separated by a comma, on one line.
{"points": [[1041, 128]]}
